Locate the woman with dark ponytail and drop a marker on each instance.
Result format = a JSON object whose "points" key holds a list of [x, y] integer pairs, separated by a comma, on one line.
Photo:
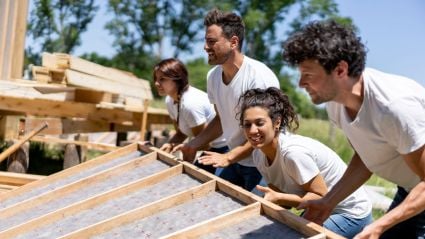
{"points": [[296, 168], [189, 107]]}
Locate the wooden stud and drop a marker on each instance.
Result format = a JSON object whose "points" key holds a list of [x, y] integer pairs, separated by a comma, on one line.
{"points": [[144, 119], [143, 211]]}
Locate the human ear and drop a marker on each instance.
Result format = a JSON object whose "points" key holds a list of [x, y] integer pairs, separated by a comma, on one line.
{"points": [[277, 124], [234, 42], [342, 68]]}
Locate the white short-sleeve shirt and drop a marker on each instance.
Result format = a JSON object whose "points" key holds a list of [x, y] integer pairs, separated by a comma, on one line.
{"points": [[195, 110], [390, 123], [298, 160], [252, 74]]}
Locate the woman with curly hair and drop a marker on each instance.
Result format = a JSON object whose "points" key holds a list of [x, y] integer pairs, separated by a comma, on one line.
{"points": [[296, 168]]}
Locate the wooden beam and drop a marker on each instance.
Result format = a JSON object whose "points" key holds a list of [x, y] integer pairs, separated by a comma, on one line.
{"points": [[72, 187], [89, 145], [19, 40], [65, 61], [58, 126], [42, 107], [144, 211], [52, 108], [5, 7], [7, 187], [90, 202], [18, 179], [76, 78], [144, 119], [13, 14]]}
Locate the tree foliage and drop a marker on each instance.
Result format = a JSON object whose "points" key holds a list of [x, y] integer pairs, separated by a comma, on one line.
{"points": [[144, 30], [57, 25]]}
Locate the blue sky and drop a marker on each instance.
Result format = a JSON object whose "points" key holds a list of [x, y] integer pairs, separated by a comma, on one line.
{"points": [[393, 31]]}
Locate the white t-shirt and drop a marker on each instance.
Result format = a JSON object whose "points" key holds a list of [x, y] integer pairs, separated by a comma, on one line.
{"points": [[390, 123], [299, 159], [195, 109], [252, 74]]}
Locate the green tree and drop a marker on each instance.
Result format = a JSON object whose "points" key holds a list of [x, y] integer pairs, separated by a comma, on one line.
{"points": [[57, 25]]}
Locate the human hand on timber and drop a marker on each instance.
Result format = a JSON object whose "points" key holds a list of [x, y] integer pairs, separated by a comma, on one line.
{"points": [[316, 210], [215, 159], [187, 150], [269, 194]]}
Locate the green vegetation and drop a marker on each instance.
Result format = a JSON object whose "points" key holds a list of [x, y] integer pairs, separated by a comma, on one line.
{"points": [[140, 31]]}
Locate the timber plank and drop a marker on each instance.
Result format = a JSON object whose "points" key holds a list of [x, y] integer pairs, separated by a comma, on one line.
{"points": [[89, 145], [76, 78], [18, 179]]}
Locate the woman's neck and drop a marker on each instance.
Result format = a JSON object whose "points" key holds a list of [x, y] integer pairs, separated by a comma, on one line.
{"points": [[270, 150]]}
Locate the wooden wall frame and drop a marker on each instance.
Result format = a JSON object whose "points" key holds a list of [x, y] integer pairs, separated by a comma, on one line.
{"points": [[112, 166]]}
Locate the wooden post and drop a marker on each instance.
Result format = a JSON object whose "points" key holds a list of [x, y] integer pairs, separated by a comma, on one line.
{"points": [[13, 23], [144, 119], [20, 142]]}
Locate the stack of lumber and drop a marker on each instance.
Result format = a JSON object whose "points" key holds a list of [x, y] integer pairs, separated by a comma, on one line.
{"points": [[120, 87]]}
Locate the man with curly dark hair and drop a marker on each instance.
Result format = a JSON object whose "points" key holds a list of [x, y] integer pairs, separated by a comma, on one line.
{"points": [[382, 115]]}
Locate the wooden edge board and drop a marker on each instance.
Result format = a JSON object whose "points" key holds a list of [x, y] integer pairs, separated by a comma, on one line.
{"points": [[217, 223], [76, 169], [189, 168], [89, 145], [318, 236], [144, 211], [90, 202], [162, 155], [72, 187], [7, 187], [18, 179], [297, 223]]}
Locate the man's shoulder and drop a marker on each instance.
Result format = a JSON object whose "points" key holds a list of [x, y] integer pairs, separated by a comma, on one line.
{"points": [[214, 70]]}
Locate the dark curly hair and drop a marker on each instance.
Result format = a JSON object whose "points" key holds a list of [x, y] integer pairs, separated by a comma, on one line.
{"points": [[230, 23], [329, 43], [174, 69], [274, 101]]}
